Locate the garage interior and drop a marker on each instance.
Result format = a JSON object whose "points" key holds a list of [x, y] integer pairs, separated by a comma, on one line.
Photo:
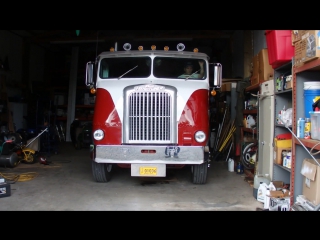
{"points": [[44, 98]]}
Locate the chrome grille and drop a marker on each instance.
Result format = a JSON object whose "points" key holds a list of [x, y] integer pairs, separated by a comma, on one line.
{"points": [[150, 115]]}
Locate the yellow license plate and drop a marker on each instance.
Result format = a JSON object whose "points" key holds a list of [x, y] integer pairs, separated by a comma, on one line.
{"points": [[148, 171]]}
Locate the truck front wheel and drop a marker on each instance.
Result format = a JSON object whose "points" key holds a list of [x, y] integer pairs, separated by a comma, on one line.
{"points": [[101, 171], [199, 172]]}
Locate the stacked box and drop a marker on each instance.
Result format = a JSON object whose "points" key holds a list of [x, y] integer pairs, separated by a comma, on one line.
{"points": [[262, 70], [310, 45], [311, 184]]}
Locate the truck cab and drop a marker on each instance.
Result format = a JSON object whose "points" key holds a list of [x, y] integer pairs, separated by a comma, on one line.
{"points": [[151, 111]]}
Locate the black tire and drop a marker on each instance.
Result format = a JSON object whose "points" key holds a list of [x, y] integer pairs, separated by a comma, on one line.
{"points": [[199, 172], [247, 154], [101, 171]]}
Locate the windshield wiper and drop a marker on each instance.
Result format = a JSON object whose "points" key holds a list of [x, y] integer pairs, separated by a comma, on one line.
{"points": [[127, 72], [192, 74]]}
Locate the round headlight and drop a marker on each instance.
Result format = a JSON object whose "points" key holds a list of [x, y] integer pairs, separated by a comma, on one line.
{"points": [[200, 136], [98, 134]]}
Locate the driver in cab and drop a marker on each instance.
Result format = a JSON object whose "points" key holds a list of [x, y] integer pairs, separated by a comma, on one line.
{"points": [[188, 71]]}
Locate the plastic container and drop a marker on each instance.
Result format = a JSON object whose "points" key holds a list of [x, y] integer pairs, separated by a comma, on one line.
{"points": [[231, 165], [310, 96], [307, 128], [256, 182], [239, 168], [280, 49], [315, 125], [300, 128]]}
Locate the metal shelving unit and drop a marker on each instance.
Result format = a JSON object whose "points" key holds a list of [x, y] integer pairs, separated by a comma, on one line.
{"points": [[309, 71], [282, 100]]}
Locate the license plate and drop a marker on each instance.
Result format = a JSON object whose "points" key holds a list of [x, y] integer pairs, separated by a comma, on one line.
{"points": [[148, 171]]}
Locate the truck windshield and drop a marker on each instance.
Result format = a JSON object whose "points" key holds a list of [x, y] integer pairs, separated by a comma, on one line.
{"points": [[163, 67], [125, 67], [185, 68]]}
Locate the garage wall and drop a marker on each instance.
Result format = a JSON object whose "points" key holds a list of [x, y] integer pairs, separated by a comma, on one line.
{"points": [[10, 50], [238, 54], [25, 61], [36, 64], [259, 41]]}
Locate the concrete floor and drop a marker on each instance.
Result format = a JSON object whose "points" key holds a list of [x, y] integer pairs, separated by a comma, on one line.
{"points": [[66, 184]]}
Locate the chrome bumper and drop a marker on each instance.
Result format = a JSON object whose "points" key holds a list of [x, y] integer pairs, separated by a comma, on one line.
{"points": [[149, 154]]}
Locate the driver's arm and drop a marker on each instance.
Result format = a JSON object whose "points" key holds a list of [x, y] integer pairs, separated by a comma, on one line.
{"points": [[201, 74]]}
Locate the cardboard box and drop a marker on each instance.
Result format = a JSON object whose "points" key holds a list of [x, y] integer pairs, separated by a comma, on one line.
{"points": [[297, 54], [279, 204], [277, 154], [288, 85], [310, 45], [283, 143], [311, 184], [226, 87], [265, 69], [279, 199], [278, 184], [296, 35]]}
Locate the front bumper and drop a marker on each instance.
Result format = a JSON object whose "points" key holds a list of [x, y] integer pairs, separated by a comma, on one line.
{"points": [[149, 154]]}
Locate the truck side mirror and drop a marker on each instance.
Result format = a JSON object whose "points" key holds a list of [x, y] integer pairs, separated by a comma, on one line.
{"points": [[215, 75], [89, 74]]}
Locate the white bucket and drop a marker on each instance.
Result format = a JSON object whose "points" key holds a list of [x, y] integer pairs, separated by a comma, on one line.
{"points": [[311, 85], [230, 165]]}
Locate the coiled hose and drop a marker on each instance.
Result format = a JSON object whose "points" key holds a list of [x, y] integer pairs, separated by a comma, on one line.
{"points": [[22, 177]]}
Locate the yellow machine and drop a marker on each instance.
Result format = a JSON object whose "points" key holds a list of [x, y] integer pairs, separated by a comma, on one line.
{"points": [[26, 153]]}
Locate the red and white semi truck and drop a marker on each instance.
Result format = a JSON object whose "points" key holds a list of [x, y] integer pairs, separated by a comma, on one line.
{"points": [[149, 115]]}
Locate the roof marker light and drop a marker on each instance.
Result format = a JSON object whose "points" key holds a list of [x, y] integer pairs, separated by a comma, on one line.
{"points": [[166, 48], [181, 47], [127, 46], [153, 47], [140, 48]]}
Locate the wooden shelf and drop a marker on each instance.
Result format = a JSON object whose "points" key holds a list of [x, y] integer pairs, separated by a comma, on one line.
{"points": [[253, 111], [285, 168], [313, 65], [250, 130], [253, 87], [282, 125], [309, 143]]}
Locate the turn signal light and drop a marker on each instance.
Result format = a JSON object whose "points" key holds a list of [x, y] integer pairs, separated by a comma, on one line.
{"points": [[213, 93], [93, 90]]}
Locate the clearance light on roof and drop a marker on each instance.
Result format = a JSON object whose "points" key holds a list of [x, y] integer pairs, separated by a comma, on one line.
{"points": [[166, 48], [180, 47], [112, 49], [127, 46], [153, 47], [140, 48], [195, 50]]}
